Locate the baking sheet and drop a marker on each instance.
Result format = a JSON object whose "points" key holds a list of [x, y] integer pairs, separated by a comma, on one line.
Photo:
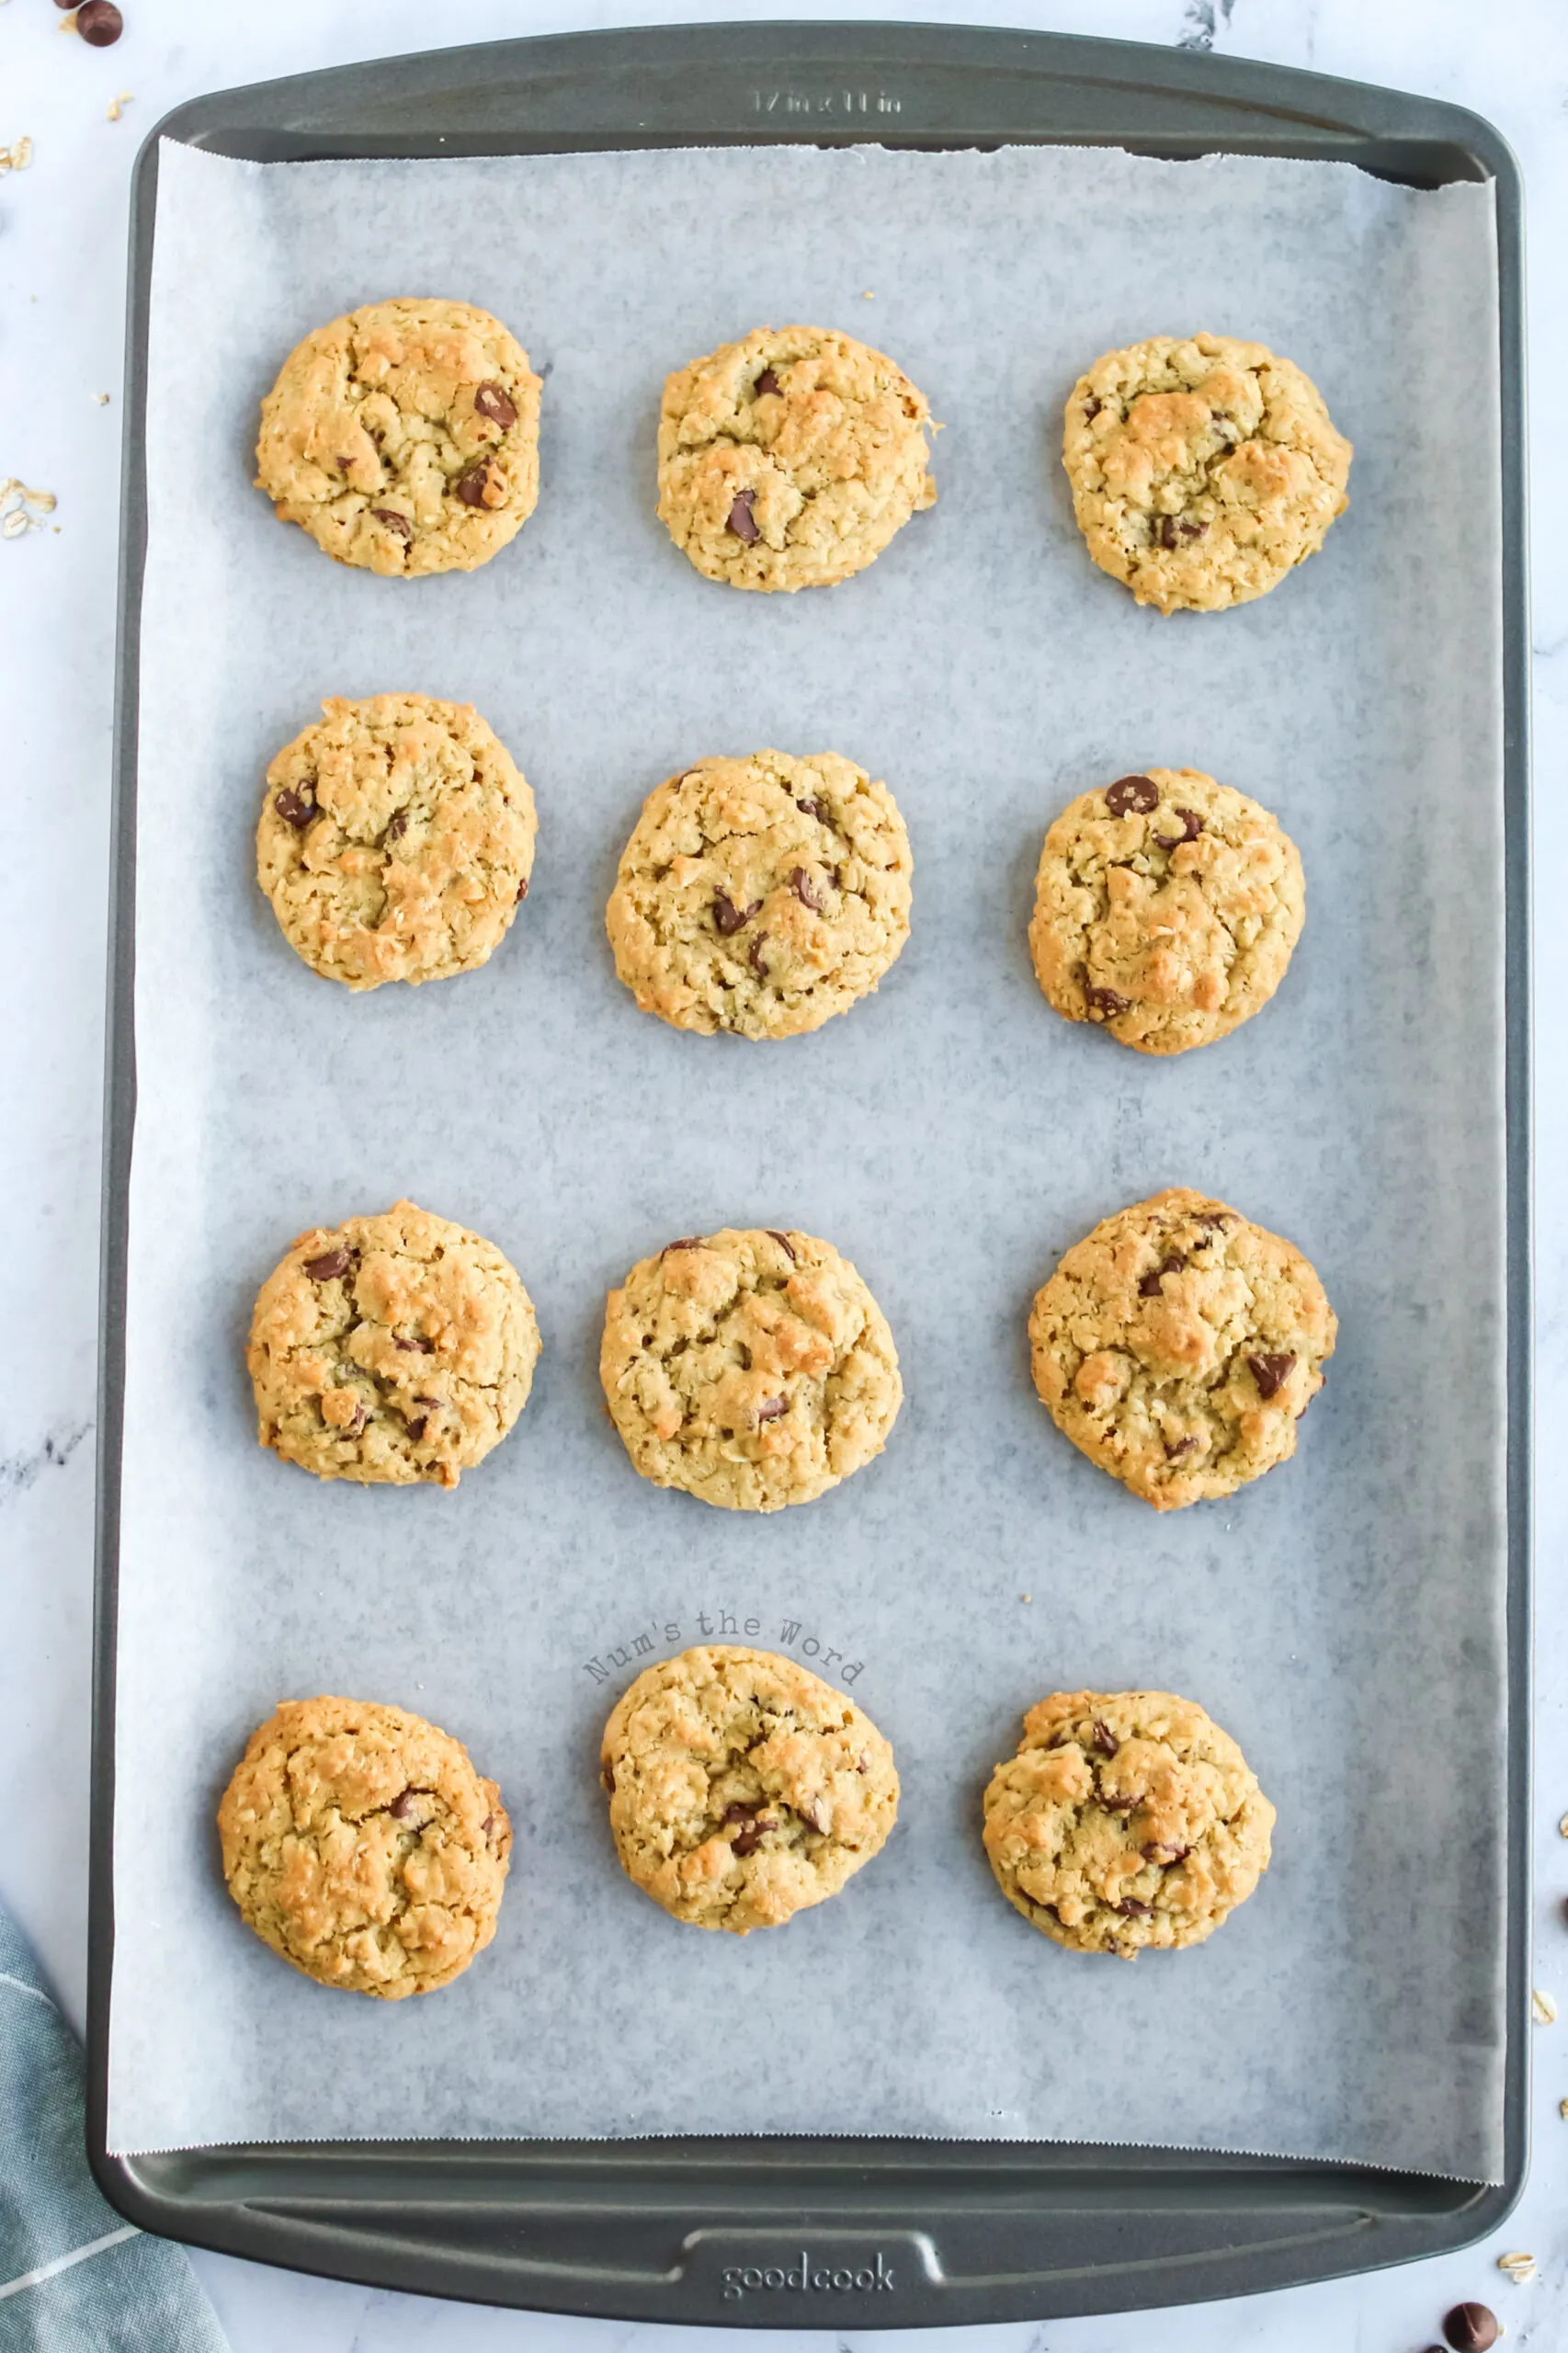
{"points": [[1343, 1617]]}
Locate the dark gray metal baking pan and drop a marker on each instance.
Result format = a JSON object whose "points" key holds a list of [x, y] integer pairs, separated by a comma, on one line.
{"points": [[829, 2234]]}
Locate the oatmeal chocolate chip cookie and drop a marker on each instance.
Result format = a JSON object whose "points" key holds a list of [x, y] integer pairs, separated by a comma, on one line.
{"points": [[1126, 1820], [743, 1789], [397, 840], [390, 1349], [754, 1370], [1177, 1346], [790, 460], [1202, 469], [405, 437], [761, 896], [1167, 908], [360, 1844]]}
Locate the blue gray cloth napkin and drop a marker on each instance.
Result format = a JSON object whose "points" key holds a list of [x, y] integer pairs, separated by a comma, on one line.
{"points": [[74, 2278]]}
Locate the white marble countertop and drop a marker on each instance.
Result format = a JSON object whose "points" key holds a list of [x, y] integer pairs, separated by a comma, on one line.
{"points": [[62, 271]]}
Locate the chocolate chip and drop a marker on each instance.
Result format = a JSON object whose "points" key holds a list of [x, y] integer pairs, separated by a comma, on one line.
{"points": [[353, 1428], [494, 402], [487, 1828], [522, 891], [1471, 2328], [1272, 1372], [294, 808], [754, 959], [1191, 826], [1182, 1446], [397, 825], [1133, 1909], [401, 1807], [398, 525], [812, 1821], [782, 1239], [1116, 1805], [742, 521], [729, 917], [425, 1347], [815, 808], [342, 464], [772, 1408], [331, 1264], [471, 486], [1166, 1855], [800, 882], [99, 23], [1105, 1004], [753, 1825], [1170, 530], [433, 1402], [768, 383], [1104, 1739], [608, 1777], [1149, 1284], [1132, 793], [417, 1428], [686, 1241], [1092, 408]]}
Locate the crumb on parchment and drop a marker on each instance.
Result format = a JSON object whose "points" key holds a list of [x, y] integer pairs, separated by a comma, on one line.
{"points": [[22, 510]]}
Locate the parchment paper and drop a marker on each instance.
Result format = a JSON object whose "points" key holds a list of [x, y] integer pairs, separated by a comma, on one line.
{"points": [[1342, 1618]]}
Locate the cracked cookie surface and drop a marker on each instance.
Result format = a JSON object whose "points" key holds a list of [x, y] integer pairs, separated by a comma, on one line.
{"points": [[761, 896], [753, 1368], [1127, 1821], [404, 438], [743, 1789], [1178, 1345], [1203, 469], [790, 460], [397, 840], [1166, 909], [360, 1844], [390, 1349]]}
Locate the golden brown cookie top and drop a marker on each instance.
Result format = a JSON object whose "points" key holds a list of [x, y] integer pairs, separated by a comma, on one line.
{"points": [[1166, 909], [1127, 1820], [360, 1844], [751, 1368], [743, 1787], [390, 1349], [1202, 469], [404, 436], [761, 896], [397, 840], [1177, 1346], [790, 460]]}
